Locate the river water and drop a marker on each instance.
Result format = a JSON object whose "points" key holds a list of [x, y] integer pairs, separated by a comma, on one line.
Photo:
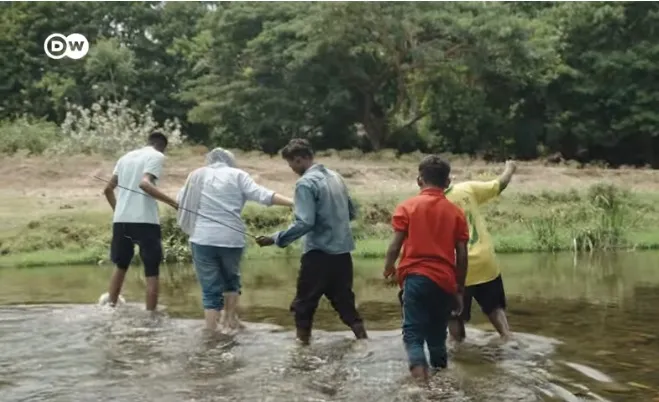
{"points": [[587, 330]]}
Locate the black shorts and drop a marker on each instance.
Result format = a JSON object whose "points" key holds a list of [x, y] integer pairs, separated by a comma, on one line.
{"points": [[489, 296], [147, 236]]}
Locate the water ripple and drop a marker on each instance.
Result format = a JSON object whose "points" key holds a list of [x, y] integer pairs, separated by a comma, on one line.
{"points": [[83, 353]]}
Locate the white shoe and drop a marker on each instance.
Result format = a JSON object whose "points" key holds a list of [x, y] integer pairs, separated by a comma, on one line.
{"points": [[104, 300]]}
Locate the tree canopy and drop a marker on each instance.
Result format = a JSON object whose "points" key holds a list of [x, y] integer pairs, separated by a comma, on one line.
{"points": [[490, 79]]}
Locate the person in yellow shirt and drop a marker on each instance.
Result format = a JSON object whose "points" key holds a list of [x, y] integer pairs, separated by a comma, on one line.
{"points": [[483, 281]]}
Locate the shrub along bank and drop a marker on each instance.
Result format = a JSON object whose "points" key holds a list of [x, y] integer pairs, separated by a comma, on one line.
{"points": [[602, 217]]}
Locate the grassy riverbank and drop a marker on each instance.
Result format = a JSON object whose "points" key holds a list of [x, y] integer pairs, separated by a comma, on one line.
{"points": [[53, 213]]}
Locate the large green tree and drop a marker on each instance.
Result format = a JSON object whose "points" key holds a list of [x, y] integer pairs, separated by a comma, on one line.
{"points": [[377, 69], [489, 79], [132, 55], [606, 101]]}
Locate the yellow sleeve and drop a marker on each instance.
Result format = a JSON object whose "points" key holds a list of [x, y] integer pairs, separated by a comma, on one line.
{"points": [[484, 191]]}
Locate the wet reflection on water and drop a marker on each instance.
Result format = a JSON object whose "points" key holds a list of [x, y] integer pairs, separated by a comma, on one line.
{"points": [[594, 324]]}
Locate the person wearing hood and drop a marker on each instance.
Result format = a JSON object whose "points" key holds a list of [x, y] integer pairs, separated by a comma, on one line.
{"points": [[219, 191]]}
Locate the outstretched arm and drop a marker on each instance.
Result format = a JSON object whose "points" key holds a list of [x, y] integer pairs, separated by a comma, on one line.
{"points": [[260, 194], [305, 217]]}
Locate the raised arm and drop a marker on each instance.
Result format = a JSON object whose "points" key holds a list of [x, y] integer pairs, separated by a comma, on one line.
{"points": [[484, 191], [507, 175], [152, 171]]}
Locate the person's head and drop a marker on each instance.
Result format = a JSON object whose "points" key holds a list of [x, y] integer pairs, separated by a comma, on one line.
{"points": [[158, 140], [299, 155], [434, 172], [221, 155]]}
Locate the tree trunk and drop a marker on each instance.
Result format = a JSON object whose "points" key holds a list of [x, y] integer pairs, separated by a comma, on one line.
{"points": [[375, 123]]}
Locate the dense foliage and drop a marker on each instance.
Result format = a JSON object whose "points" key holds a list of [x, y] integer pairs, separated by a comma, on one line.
{"points": [[490, 79]]}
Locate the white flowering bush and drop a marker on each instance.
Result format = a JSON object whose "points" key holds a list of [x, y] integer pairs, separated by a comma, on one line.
{"points": [[111, 127]]}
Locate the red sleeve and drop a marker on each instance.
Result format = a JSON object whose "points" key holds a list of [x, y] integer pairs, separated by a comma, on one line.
{"points": [[461, 227], [400, 221]]}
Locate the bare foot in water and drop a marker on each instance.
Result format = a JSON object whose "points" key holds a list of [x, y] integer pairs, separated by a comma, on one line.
{"points": [[232, 325], [420, 374], [506, 340], [238, 324]]}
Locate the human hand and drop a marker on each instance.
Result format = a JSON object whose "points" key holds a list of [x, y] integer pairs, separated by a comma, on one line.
{"points": [[389, 273], [459, 305], [264, 241], [511, 165]]}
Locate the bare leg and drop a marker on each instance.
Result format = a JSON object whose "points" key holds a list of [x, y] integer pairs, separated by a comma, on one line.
{"points": [[231, 310], [152, 293], [212, 317], [456, 329], [116, 282], [500, 322], [420, 374]]}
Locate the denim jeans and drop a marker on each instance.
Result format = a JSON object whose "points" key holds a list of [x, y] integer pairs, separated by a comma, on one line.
{"points": [[426, 311], [218, 271]]}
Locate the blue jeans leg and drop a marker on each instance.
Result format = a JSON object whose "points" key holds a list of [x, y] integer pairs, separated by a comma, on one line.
{"points": [[208, 268], [414, 321], [230, 268], [440, 313], [426, 309]]}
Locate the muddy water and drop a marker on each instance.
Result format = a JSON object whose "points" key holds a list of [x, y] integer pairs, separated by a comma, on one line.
{"points": [[587, 331]]}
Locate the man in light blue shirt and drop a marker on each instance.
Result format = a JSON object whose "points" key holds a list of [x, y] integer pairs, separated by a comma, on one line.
{"points": [[323, 211]]}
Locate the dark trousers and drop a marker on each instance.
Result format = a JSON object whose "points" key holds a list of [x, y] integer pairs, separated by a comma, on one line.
{"points": [[426, 311], [329, 275]]}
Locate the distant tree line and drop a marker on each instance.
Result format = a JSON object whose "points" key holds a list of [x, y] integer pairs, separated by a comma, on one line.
{"points": [[495, 80]]}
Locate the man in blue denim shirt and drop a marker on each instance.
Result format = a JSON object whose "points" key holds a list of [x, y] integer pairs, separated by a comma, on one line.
{"points": [[323, 211]]}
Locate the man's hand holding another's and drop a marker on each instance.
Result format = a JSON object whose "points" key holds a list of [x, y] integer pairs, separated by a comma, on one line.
{"points": [[265, 241]]}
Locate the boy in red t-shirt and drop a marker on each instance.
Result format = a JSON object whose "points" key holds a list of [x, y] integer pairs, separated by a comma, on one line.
{"points": [[433, 234]]}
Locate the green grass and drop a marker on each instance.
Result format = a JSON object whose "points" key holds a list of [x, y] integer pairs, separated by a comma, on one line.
{"points": [[72, 256], [599, 218]]}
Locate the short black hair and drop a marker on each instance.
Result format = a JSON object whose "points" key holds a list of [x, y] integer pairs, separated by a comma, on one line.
{"points": [[158, 138], [297, 147], [434, 170]]}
